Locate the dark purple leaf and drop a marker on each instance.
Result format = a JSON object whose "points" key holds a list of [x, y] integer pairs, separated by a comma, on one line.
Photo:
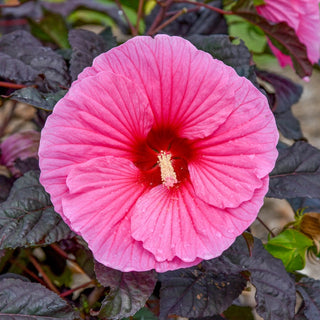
{"points": [[221, 47], [275, 293], [26, 165], [280, 34], [27, 217], [200, 21], [33, 96], [5, 187], [286, 94], [128, 293], [297, 172], [86, 45], [310, 292], [307, 204], [198, 291], [26, 300], [24, 60]]}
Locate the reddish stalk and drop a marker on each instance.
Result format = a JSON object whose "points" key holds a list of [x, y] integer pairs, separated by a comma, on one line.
{"points": [[139, 15], [12, 85], [29, 272], [171, 13], [200, 4], [269, 230], [67, 293], [14, 22], [61, 252], [132, 29], [163, 25], [160, 16], [46, 279]]}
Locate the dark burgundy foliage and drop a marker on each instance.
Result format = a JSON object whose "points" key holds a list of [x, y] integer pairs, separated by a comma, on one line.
{"points": [[41, 53]]}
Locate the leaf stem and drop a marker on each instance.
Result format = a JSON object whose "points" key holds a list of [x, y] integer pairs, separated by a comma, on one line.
{"points": [[160, 16], [270, 231], [67, 293], [132, 29], [200, 4], [46, 279], [164, 24], [139, 15], [61, 252], [12, 85], [29, 272]]}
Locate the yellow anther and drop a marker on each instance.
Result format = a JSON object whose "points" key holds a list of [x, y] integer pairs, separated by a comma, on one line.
{"points": [[168, 176]]}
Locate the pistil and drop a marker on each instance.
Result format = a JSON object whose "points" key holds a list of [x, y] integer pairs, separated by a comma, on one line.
{"points": [[168, 175]]}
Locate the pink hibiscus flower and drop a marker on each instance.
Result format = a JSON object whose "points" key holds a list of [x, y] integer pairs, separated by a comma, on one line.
{"points": [[159, 155], [301, 15]]}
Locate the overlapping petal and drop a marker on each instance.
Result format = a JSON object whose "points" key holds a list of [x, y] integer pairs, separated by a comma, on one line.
{"points": [[303, 16], [186, 87], [176, 223], [102, 115], [102, 193], [233, 160]]}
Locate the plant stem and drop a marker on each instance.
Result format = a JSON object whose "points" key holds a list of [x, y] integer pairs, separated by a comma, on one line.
{"points": [[61, 252], [12, 85], [46, 279], [270, 231], [177, 15], [159, 17], [139, 15], [67, 293], [200, 4], [29, 272], [132, 29]]}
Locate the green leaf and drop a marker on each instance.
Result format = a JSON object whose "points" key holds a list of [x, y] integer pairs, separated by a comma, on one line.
{"points": [[23, 300], [252, 36], [238, 312], [258, 2], [128, 293], [27, 217], [290, 246], [87, 16], [52, 27]]}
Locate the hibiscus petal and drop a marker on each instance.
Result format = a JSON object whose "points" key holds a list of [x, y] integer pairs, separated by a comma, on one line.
{"points": [[103, 115], [188, 90], [101, 194], [233, 160], [176, 223]]}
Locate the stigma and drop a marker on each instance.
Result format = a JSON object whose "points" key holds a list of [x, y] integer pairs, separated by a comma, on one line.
{"points": [[168, 176]]}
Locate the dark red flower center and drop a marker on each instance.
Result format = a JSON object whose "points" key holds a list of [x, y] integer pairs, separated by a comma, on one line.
{"points": [[163, 149]]}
